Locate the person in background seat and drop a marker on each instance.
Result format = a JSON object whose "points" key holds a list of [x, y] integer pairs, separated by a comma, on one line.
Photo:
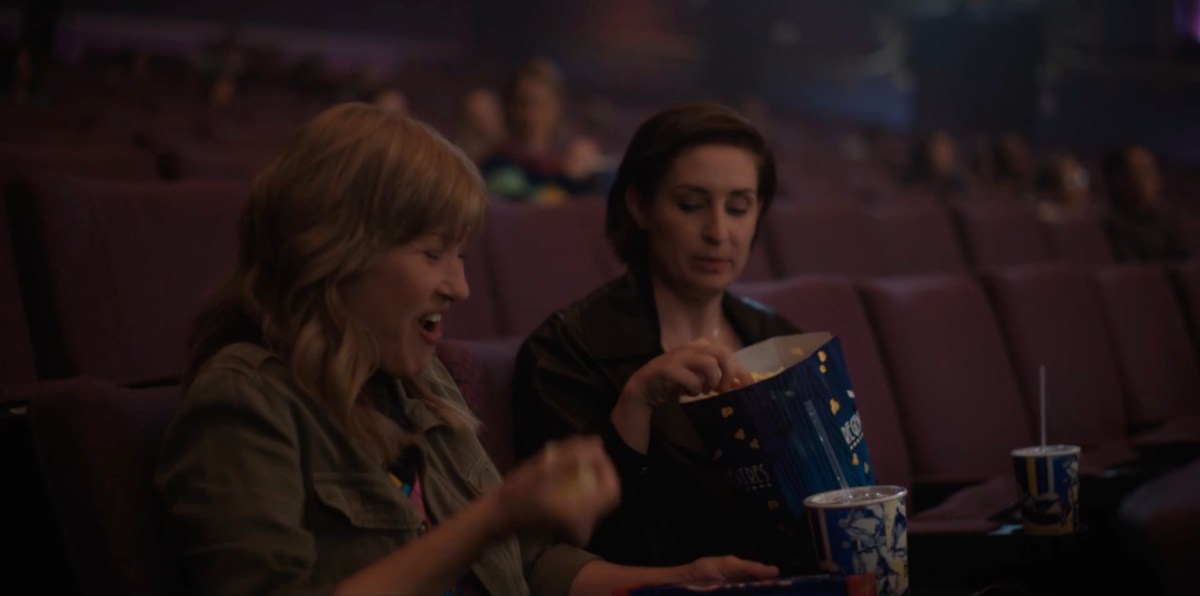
{"points": [[1139, 223], [539, 162]]}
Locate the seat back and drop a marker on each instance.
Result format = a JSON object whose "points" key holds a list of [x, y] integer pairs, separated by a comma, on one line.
{"points": [[1078, 240], [958, 398], [111, 162], [198, 163], [16, 350], [1052, 317], [114, 272], [1158, 365], [823, 238], [1001, 233], [1189, 231], [98, 445], [1187, 286], [830, 304], [484, 371], [544, 258], [917, 239]]}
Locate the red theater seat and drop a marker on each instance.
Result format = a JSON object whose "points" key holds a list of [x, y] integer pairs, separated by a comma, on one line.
{"points": [[114, 272], [958, 399], [16, 351], [1187, 286], [484, 372], [1052, 317], [823, 238], [115, 162], [917, 239], [1158, 366], [1078, 240], [194, 163], [544, 258], [98, 447], [999, 233]]}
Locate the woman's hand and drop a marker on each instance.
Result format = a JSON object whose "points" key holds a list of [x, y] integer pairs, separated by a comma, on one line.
{"points": [[695, 368], [564, 490], [727, 569]]}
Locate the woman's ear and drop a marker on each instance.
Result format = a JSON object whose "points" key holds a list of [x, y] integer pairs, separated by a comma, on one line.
{"points": [[634, 205]]}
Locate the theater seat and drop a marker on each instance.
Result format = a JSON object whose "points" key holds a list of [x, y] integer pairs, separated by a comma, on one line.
{"points": [[1159, 523], [114, 272], [16, 350], [956, 393], [1186, 277], [917, 239], [113, 162], [544, 258], [219, 163], [831, 304], [1080, 240], [1001, 233], [484, 372], [1159, 370], [1052, 318], [98, 446], [823, 238]]}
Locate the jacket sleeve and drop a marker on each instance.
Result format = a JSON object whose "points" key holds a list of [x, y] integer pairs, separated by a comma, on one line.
{"points": [[230, 482], [560, 390], [550, 567]]}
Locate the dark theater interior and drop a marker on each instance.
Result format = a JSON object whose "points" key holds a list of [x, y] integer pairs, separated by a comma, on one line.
{"points": [[230, 231]]}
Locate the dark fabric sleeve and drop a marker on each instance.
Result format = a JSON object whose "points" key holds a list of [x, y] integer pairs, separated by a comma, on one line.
{"points": [[560, 390], [1176, 250]]}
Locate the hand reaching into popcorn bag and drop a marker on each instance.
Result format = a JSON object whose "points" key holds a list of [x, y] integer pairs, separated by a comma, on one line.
{"points": [[697, 367]]}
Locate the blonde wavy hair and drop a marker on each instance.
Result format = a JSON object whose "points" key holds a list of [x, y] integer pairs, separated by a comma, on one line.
{"points": [[353, 182]]}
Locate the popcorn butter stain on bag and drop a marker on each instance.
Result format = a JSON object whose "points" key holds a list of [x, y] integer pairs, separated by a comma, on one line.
{"points": [[763, 436]]}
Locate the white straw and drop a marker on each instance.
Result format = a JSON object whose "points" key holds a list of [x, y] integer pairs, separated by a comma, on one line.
{"points": [[1042, 399], [823, 438]]}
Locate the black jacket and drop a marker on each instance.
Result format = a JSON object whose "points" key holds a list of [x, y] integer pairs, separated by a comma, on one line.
{"points": [[676, 505]]}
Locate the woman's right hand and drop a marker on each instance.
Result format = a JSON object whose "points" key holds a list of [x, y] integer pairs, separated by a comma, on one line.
{"points": [[565, 489], [695, 368]]}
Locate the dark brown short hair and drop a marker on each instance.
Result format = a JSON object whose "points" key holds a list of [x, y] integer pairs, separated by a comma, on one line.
{"points": [[656, 144]]}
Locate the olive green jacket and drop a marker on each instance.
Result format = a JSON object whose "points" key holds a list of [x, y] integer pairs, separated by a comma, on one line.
{"points": [[266, 493]]}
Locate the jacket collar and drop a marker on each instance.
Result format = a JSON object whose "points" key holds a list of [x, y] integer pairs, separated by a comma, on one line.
{"points": [[623, 321], [621, 324], [417, 416]]}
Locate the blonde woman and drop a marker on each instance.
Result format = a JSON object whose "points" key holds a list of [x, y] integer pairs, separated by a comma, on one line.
{"points": [[321, 446]]}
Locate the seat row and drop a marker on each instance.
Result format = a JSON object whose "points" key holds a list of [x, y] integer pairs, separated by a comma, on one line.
{"points": [[103, 276], [943, 369]]}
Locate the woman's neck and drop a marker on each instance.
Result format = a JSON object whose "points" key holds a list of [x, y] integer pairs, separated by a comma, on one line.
{"points": [[683, 318]]}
